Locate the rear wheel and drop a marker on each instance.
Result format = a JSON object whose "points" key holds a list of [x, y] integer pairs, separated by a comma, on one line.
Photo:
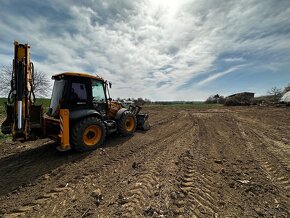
{"points": [[127, 123], [88, 134]]}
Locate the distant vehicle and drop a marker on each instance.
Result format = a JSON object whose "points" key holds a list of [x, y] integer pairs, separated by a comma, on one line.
{"points": [[127, 103]]}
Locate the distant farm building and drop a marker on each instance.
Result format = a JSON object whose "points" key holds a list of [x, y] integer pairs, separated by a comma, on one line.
{"points": [[243, 98]]}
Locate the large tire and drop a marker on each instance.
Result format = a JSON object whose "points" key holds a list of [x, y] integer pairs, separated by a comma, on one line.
{"points": [[127, 123], [88, 134]]}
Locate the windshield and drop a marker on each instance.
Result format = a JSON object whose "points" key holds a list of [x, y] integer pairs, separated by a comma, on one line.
{"points": [[56, 96]]}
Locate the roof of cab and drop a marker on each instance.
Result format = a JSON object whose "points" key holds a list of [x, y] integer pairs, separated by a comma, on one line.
{"points": [[87, 75]]}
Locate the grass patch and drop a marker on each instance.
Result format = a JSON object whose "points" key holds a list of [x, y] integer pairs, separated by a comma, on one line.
{"points": [[197, 106], [44, 101], [4, 137], [2, 106]]}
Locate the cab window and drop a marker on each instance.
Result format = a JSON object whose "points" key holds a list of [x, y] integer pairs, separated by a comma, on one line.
{"points": [[98, 92], [78, 93]]}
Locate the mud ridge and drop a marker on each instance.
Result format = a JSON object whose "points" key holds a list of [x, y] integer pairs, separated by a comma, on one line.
{"points": [[276, 170]]}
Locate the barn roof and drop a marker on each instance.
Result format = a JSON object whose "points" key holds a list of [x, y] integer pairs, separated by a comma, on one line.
{"points": [[242, 93]]}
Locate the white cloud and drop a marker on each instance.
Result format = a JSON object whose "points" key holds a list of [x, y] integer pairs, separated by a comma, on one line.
{"points": [[218, 75], [234, 59]]}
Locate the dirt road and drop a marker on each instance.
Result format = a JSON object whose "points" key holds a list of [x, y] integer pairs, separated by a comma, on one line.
{"points": [[225, 162]]}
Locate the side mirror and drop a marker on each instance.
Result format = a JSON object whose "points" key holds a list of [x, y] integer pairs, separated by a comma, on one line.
{"points": [[110, 85]]}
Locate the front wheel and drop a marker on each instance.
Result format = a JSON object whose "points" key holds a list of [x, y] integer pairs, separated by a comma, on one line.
{"points": [[127, 123], [88, 134]]}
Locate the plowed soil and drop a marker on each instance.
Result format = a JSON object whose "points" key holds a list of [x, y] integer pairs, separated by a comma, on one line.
{"points": [[224, 162]]}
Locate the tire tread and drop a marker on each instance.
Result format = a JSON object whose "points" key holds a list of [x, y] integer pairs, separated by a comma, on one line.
{"points": [[79, 127]]}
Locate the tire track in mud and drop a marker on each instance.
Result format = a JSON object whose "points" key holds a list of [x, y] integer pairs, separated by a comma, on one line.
{"points": [[136, 197], [148, 183], [196, 190], [276, 168], [275, 132], [6, 151], [39, 201], [136, 150], [165, 120], [279, 150]]}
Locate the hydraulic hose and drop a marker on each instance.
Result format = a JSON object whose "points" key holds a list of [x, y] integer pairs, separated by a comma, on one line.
{"points": [[11, 96], [31, 93], [108, 91]]}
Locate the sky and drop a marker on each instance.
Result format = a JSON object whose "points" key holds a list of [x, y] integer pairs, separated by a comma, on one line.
{"points": [[156, 49]]}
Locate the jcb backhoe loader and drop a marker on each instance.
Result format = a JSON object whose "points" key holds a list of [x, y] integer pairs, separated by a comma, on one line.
{"points": [[81, 112]]}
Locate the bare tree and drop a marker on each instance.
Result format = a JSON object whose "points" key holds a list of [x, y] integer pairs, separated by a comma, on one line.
{"points": [[210, 99], [221, 100], [5, 80], [139, 101], [214, 99], [276, 93], [41, 85]]}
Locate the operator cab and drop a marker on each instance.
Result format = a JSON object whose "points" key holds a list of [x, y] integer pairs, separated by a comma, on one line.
{"points": [[78, 92]]}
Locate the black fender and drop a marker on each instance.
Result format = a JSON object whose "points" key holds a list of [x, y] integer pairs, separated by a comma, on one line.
{"points": [[120, 112], [80, 114]]}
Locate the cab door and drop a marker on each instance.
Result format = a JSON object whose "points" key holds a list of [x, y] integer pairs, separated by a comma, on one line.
{"points": [[78, 97], [99, 96]]}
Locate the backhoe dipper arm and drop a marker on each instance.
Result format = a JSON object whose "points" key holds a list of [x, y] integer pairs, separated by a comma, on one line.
{"points": [[22, 79], [19, 71]]}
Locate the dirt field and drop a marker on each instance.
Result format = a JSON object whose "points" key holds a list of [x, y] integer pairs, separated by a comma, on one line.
{"points": [[225, 162]]}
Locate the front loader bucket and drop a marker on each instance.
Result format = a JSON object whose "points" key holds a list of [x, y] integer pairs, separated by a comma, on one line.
{"points": [[142, 122], [142, 119], [6, 126]]}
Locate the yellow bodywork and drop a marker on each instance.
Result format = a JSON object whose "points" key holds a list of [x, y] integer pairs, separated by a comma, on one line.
{"points": [[64, 130], [77, 74], [113, 108], [20, 51], [63, 125]]}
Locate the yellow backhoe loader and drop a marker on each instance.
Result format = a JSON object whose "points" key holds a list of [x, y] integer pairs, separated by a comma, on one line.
{"points": [[81, 112]]}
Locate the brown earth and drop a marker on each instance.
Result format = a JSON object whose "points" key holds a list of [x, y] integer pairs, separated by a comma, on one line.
{"points": [[225, 162]]}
